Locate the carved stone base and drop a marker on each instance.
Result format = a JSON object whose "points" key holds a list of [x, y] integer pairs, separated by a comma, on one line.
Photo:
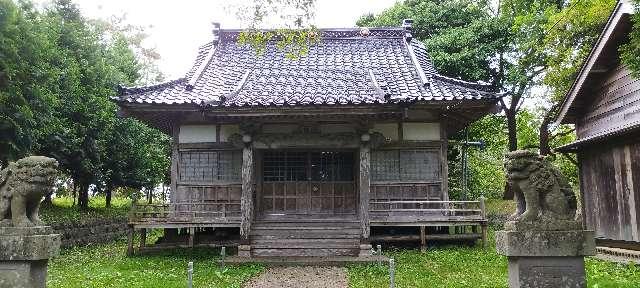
{"points": [[543, 225], [24, 253], [546, 272], [546, 258], [546, 243], [244, 251]]}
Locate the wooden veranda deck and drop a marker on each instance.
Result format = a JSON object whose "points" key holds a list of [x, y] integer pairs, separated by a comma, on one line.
{"points": [[460, 215]]}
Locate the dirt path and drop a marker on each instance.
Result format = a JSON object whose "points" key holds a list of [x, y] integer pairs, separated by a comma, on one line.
{"points": [[301, 277]]}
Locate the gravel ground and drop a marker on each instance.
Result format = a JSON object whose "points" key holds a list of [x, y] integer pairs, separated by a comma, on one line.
{"points": [[300, 277]]}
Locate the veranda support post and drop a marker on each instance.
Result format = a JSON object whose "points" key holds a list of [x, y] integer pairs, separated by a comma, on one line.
{"points": [[246, 201], [364, 183]]}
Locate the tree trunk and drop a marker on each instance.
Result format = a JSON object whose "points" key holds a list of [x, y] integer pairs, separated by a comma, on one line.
{"points": [[75, 192], [47, 199], [544, 138], [512, 129], [512, 132], [150, 196], [83, 196], [108, 197]]}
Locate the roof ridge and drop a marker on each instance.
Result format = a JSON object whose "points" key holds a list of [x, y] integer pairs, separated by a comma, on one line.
{"points": [[124, 90], [466, 84]]}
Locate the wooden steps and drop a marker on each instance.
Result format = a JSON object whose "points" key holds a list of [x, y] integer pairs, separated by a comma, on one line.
{"points": [[305, 239]]}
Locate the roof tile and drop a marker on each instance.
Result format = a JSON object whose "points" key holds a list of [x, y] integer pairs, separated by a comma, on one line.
{"points": [[336, 71]]}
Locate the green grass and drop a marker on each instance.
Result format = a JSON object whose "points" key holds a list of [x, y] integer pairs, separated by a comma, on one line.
{"points": [[500, 207], [63, 211], [107, 266], [452, 266]]}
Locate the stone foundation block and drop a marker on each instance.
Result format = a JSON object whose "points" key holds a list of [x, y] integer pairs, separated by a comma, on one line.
{"points": [[546, 259], [244, 251], [365, 250]]}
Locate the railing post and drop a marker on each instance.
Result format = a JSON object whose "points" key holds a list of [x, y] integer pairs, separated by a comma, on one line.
{"points": [[483, 213]]}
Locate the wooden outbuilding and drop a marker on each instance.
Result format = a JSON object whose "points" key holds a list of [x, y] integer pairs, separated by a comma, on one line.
{"points": [[604, 105], [303, 156]]}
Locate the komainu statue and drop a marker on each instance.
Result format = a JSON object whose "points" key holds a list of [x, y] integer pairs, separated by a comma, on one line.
{"points": [[543, 196], [22, 185]]}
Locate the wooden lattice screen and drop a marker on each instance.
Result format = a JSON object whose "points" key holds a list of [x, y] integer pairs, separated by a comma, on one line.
{"points": [[210, 166], [405, 165]]}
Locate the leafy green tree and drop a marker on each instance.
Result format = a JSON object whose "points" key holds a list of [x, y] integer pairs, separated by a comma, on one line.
{"points": [[630, 52], [57, 72]]}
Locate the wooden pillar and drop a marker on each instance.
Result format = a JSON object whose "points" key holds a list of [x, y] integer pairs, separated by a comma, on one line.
{"points": [[130, 235], [143, 237], [444, 147], [174, 163], [246, 200], [423, 238], [484, 235], [364, 184], [192, 236]]}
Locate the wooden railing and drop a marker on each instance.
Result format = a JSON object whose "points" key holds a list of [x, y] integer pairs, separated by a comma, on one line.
{"points": [[471, 210], [194, 212]]}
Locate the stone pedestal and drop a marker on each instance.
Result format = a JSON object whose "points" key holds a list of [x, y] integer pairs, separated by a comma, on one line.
{"points": [[365, 250], [24, 253], [541, 259], [244, 251]]}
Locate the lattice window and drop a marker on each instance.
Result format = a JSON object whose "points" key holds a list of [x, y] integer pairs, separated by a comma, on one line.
{"points": [[331, 166], [284, 166], [210, 166], [385, 165], [304, 166], [405, 165]]}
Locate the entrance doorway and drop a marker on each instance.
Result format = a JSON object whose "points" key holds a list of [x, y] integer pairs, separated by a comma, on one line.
{"points": [[307, 184]]}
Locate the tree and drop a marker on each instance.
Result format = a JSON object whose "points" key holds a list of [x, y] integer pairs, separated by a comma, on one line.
{"points": [[57, 72], [630, 52], [570, 35]]}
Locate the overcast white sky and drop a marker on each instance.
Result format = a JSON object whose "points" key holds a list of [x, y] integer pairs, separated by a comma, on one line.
{"points": [[177, 28]]}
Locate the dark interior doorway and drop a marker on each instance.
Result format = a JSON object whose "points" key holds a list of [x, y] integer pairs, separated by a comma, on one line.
{"points": [[299, 184]]}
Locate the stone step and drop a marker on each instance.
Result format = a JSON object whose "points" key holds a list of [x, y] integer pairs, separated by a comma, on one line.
{"points": [[267, 235], [304, 252], [305, 243]]}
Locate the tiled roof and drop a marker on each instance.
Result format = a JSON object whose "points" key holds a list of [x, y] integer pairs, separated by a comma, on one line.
{"points": [[344, 67]]}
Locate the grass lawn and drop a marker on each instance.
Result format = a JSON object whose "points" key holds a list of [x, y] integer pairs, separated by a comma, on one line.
{"points": [[107, 266], [63, 211], [458, 266]]}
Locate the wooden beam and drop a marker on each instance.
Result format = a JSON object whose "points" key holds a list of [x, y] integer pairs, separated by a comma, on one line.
{"points": [[246, 200], [364, 184]]}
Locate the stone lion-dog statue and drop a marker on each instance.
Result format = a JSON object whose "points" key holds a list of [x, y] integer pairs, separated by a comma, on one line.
{"points": [[22, 185], [543, 195]]}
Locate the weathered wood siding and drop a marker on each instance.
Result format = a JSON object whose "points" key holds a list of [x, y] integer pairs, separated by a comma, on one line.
{"points": [[614, 103], [610, 187]]}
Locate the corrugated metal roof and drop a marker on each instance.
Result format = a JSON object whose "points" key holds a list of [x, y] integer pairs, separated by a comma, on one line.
{"points": [[344, 67]]}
